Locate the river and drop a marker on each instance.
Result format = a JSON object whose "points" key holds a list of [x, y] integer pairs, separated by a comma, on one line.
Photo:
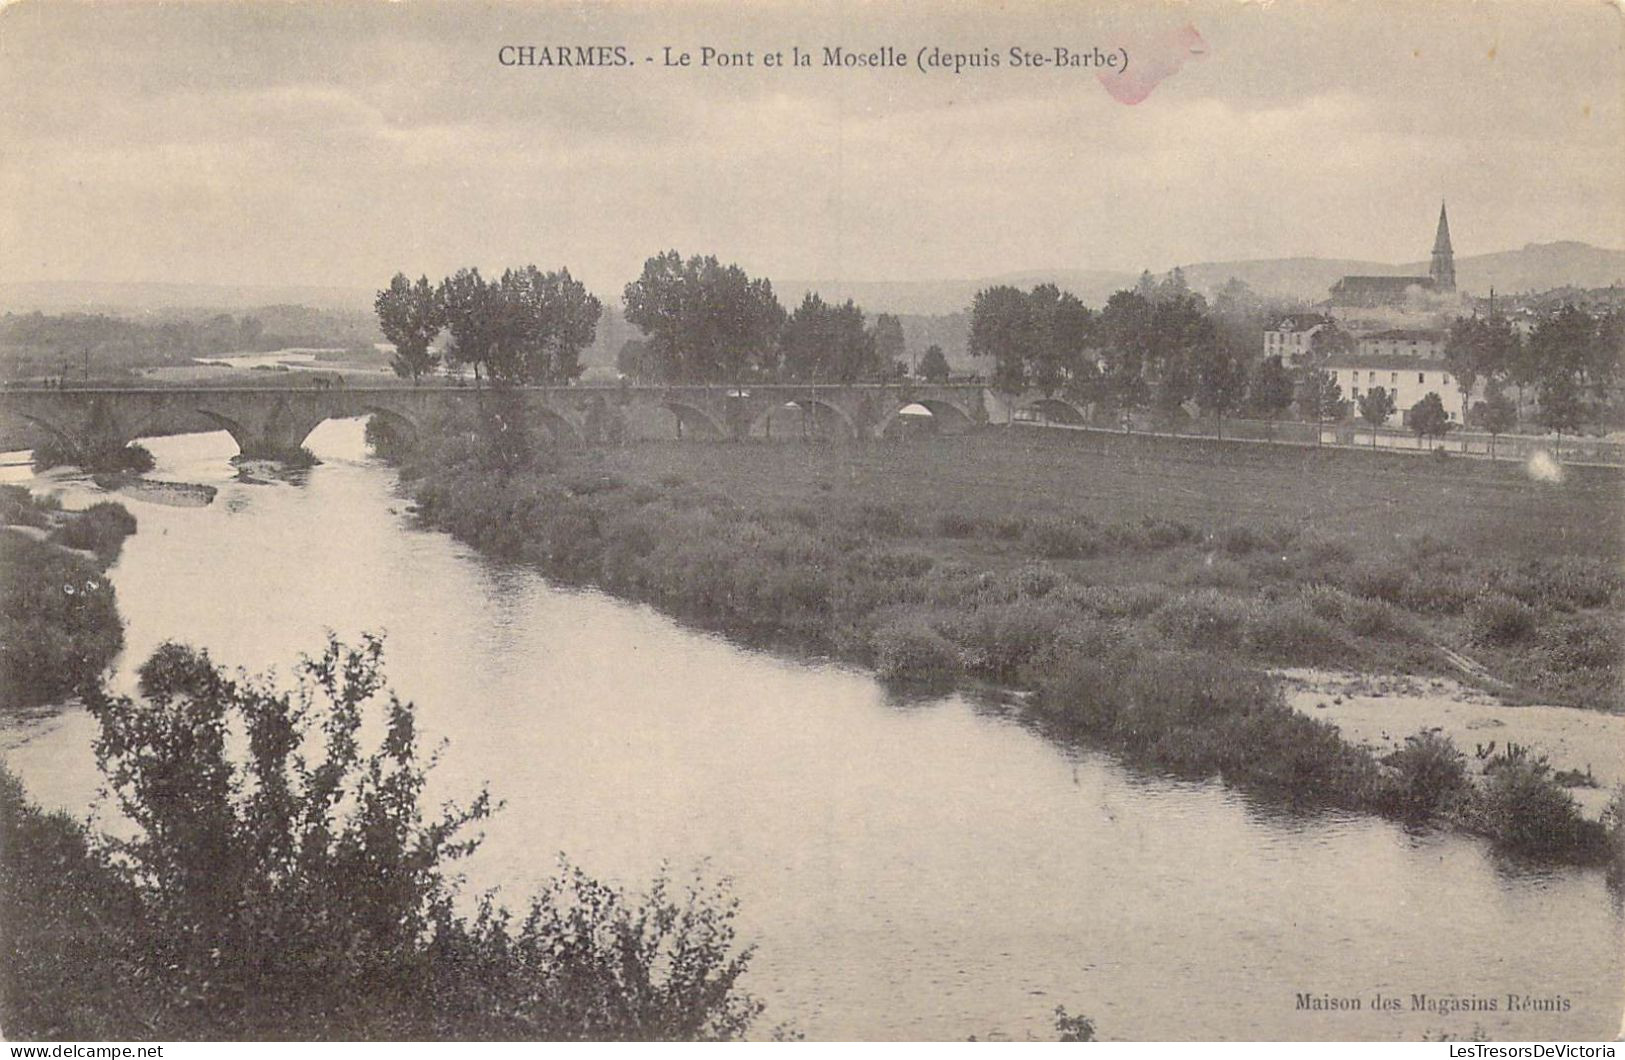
{"points": [[908, 869]]}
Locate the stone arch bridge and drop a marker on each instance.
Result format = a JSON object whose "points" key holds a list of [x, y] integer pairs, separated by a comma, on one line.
{"points": [[271, 420]]}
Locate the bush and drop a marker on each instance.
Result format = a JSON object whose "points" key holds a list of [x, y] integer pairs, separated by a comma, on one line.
{"points": [[1498, 620], [293, 887], [1525, 810], [1287, 631], [1055, 538], [881, 520], [109, 460], [59, 623], [1583, 642], [101, 529], [1430, 775], [1204, 619], [18, 507], [911, 649]]}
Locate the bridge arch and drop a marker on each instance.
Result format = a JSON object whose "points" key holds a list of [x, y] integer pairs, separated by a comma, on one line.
{"points": [[949, 417], [1056, 410], [561, 428], [808, 407], [399, 422], [693, 415]]}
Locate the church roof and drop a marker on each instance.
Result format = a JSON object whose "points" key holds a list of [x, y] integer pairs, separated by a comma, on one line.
{"points": [[1382, 283], [1441, 239]]}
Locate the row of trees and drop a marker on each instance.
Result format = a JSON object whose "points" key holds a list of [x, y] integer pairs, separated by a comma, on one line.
{"points": [[527, 327], [703, 322], [1572, 362], [1159, 345]]}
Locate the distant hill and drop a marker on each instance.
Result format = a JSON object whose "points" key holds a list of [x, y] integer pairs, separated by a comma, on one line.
{"points": [[136, 298], [1536, 267]]}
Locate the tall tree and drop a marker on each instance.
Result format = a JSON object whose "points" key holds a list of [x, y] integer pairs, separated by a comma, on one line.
{"points": [[1330, 340], [1125, 330], [1320, 398], [824, 343], [1219, 380], [888, 340], [467, 300], [1376, 405], [934, 365], [1269, 389], [1496, 415], [410, 316], [706, 322], [1562, 359], [1429, 419], [1479, 348], [1002, 328]]}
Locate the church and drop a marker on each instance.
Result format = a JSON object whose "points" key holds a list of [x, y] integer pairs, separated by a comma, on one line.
{"points": [[1370, 292]]}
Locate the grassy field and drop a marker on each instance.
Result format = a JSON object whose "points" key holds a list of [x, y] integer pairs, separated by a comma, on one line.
{"points": [[1366, 500]]}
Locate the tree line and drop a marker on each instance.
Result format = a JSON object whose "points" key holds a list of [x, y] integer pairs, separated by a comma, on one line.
{"points": [[702, 321]]}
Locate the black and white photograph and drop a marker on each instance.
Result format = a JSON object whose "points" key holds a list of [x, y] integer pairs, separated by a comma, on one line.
{"points": [[860, 520]]}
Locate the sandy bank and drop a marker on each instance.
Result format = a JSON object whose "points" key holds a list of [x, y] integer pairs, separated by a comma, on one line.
{"points": [[1381, 711]]}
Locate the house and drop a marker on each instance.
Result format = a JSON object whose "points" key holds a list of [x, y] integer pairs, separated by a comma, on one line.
{"points": [[1291, 337], [1407, 377], [1426, 344]]}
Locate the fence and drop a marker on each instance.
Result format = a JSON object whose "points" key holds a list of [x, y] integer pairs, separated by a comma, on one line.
{"points": [[1517, 447]]}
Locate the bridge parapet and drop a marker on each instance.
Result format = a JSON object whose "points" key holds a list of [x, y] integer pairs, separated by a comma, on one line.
{"points": [[272, 420]]}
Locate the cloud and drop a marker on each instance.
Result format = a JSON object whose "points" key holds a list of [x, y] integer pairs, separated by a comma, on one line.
{"points": [[331, 143]]}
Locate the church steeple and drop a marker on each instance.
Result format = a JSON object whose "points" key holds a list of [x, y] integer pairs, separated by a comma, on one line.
{"points": [[1443, 269]]}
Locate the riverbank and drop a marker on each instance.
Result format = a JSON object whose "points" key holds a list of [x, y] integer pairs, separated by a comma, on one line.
{"points": [[1146, 635]]}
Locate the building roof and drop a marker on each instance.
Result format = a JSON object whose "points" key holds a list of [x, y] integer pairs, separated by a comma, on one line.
{"points": [[1386, 362], [1384, 284], [1406, 334], [1298, 322]]}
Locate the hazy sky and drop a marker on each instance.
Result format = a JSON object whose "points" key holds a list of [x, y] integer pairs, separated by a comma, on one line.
{"points": [[334, 143]]}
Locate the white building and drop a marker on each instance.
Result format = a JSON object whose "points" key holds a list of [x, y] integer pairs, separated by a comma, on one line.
{"points": [[1408, 378], [1426, 344], [1291, 336]]}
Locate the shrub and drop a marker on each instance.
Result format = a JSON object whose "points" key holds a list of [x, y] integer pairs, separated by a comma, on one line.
{"points": [[1055, 538], [307, 838], [1583, 642], [998, 640], [881, 520], [911, 649], [1287, 631], [21, 508], [1526, 811], [1430, 775], [101, 529], [1010, 528], [1499, 620], [59, 623], [1153, 533], [1379, 581], [956, 525], [112, 459], [1204, 619]]}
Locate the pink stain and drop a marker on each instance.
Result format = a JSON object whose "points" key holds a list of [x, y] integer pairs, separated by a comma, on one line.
{"points": [[1150, 61]]}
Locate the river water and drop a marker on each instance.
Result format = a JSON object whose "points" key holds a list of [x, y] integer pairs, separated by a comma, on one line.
{"points": [[908, 870]]}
